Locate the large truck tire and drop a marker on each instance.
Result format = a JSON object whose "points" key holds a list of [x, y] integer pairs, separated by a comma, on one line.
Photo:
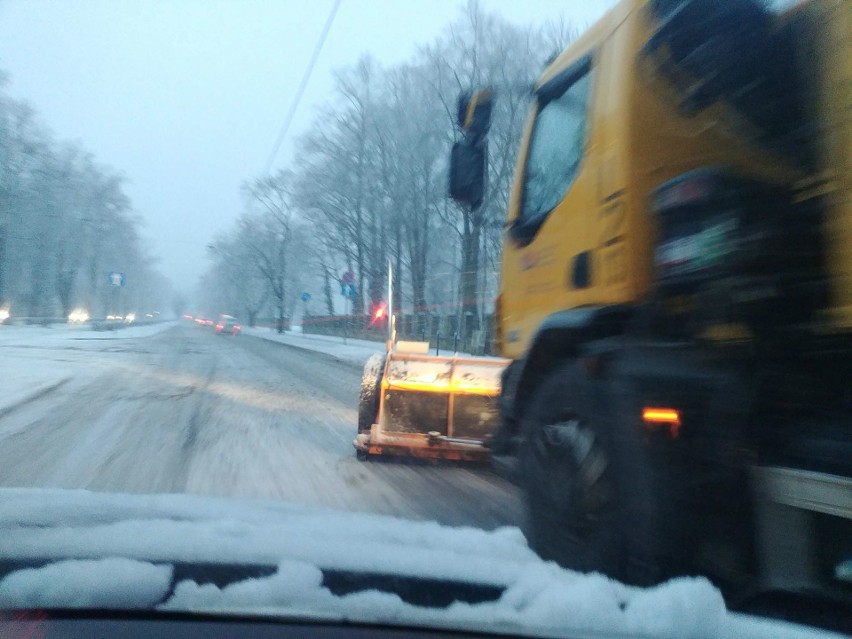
{"points": [[589, 502], [368, 399]]}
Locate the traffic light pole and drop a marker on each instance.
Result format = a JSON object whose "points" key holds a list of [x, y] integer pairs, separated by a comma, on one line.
{"points": [[347, 304], [391, 320]]}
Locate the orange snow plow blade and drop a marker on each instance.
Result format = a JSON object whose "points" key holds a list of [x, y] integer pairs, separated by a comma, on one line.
{"points": [[435, 407]]}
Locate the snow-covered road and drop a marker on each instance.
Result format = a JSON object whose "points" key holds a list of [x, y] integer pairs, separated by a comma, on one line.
{"points": [[178, 409], [182, 410]]}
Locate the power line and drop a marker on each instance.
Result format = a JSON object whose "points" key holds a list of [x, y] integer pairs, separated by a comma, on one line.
{"points": [[301, 90]]}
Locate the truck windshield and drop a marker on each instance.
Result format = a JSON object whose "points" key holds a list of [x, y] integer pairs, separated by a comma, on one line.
{"points": [[556, 149]]}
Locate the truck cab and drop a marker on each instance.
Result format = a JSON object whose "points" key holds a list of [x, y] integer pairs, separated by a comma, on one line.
{"points": [[628, 154]]}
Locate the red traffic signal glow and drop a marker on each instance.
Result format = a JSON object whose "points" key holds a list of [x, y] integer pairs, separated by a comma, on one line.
{"points": [[379, 315]]}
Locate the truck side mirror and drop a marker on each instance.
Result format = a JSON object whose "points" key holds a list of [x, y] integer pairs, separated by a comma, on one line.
{"points": [[467, 173]]}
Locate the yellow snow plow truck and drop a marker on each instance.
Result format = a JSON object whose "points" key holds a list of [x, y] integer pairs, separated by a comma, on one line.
{"points": [[676, 297]]}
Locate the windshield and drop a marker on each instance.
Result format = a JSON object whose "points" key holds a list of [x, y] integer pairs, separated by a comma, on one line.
{"points": [[556, 148], [252, 359]]}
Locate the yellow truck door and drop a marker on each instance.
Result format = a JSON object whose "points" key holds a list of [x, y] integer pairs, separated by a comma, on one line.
{"points": [[549, 246]]}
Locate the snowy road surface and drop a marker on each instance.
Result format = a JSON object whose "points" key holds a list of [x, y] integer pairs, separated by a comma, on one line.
{"points": [[182, 410]]}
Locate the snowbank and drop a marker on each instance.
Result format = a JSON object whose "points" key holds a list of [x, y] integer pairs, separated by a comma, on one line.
{"points": [[51, 335], [27, 372], [353, 351]]}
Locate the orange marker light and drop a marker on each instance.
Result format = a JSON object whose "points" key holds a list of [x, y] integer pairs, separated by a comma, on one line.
{"points": [[658, 416]]}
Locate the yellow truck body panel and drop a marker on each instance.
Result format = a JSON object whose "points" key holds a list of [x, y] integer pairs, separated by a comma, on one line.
{"points": [[596, 245]]}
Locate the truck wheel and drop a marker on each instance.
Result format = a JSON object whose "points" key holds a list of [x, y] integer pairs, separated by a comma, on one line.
{"points": [[368, 399], [588, 502]]}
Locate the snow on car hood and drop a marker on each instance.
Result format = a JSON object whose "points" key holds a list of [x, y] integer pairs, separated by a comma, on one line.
{"points": [[72, 548]]}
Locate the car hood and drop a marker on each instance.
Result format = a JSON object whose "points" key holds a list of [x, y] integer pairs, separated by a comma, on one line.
{"points": [[80, 549]]}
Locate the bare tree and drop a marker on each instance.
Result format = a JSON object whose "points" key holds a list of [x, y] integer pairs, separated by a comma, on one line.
{"points": [[64, 221], [268, 234], [481, 50], [340, 178], [372, 171], [236, 271]]}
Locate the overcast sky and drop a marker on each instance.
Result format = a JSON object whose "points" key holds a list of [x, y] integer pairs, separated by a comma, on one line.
{"points": [[186, 97]]}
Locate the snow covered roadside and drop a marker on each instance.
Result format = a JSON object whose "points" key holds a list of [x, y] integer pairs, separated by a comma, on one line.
{"points": [[125, 545], [354, 351], [58, 333], [37, 360]]}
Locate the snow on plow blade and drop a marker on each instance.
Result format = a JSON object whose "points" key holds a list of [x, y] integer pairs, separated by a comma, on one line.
{"points": [[438, 407]]}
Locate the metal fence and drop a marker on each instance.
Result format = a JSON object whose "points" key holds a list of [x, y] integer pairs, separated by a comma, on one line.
{"points": [[448, 332]]}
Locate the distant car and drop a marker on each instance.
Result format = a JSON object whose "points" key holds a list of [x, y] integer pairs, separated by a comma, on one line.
{"points": [[203, 321], [227, 325]]}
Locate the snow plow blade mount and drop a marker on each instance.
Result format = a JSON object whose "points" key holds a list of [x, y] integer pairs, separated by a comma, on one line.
{"points": [[435, 407]]}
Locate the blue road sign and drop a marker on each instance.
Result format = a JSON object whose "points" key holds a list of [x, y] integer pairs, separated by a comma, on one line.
{"points": [[116, 278], [306, 297]]}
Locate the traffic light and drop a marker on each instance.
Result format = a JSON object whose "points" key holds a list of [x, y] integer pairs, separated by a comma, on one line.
{"points": [[468, 172], [379, 316], [469, 158]]}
